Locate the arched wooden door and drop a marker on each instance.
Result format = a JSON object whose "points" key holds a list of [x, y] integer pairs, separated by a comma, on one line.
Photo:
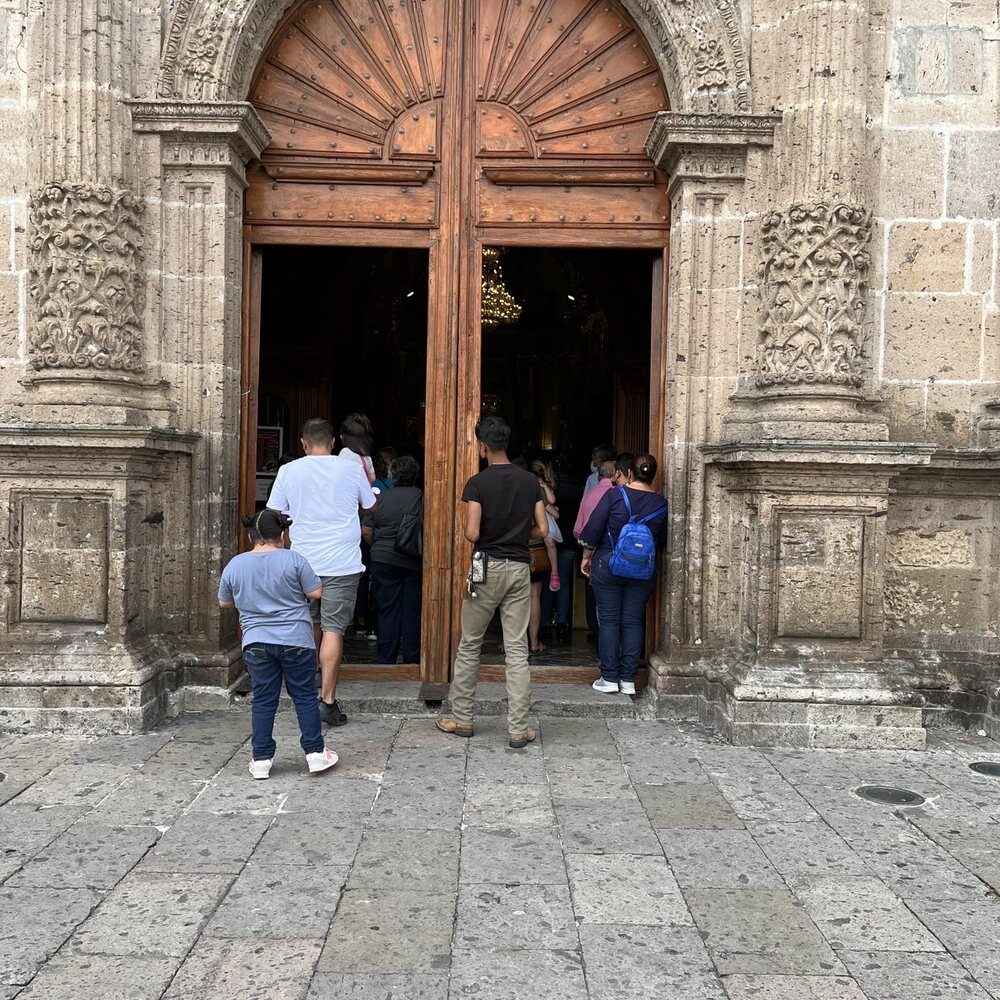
{"points": [[450, 125]]}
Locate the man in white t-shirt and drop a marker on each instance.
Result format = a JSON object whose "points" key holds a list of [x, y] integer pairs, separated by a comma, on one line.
{"points": [[323, 497]]}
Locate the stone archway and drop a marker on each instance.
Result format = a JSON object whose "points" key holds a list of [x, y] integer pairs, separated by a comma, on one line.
{"points": [[213, 46], [708, 145]]}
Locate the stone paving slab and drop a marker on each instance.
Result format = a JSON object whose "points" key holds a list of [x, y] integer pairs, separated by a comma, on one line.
{"points": [[518, 975], [495, 916], [336, 986], [612, 860], [102, 977], [793, 988], [896, 976], [261, 969], [88, 855], [855, 913]]}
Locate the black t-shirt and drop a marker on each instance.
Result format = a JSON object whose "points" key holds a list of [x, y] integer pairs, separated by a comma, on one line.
{"points": [[569, 495], [508, 495]]}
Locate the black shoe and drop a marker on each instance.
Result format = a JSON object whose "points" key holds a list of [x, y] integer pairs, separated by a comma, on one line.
{"points": [[564, 635], [331, 713]]}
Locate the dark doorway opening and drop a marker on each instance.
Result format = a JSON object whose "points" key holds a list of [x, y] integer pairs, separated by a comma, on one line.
{"points": [[566, 361], [343, 330]]}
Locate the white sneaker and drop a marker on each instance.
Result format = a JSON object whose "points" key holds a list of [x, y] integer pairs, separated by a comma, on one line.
{"points": [[260, 769], [605, 687], [627, 687], [322, 760]]}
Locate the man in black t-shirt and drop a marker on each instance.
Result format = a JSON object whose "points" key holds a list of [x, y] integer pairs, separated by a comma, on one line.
{"points": [[505, 508]]}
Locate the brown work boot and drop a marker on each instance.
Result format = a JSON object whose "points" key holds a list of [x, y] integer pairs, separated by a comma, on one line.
{"points": [[518, 741], [453, 728]]}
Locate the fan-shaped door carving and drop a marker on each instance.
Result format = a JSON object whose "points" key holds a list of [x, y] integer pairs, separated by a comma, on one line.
{"points": [[355, 94]]}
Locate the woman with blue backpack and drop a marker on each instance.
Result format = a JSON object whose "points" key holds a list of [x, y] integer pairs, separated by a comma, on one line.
{"points": [[620, 543]]}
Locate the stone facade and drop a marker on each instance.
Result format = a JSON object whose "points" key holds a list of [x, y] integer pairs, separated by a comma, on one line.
{"points": [[832, 431]]}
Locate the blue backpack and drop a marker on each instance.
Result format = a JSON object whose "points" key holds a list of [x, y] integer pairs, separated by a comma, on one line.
{"points": [[634, 555]]}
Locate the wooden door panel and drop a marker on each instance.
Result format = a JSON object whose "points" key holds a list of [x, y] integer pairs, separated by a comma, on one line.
{"points": [[459, 122]]}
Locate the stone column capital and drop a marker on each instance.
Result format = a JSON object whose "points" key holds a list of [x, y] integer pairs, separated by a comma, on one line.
{"points": [[707, 145], [203, 134]]}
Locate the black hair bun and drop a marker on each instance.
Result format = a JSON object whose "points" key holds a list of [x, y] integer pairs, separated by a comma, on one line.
{"points": [[248, 520]]}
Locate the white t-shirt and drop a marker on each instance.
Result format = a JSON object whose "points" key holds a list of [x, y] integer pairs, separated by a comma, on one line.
{"points": [[322, 495]]}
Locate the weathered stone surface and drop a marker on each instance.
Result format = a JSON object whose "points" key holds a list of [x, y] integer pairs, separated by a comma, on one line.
{"points": [[148, 799], [930, 336], [792, 988], [271, 902], [206, 843], [89, 855], [261, 970], [512, 855], [505, 804], [888, 975], [407, 859], [927, 257], [297, 839], [623, 889], [151, 913], [497, 917], [854, 913], [390, 931], [112, 977], [34, 923], [760, 931], [605, 826], [687, 807], [806, 849], [337, 986], [717, 859], [412, 807], [663, 963], [498, 975]]}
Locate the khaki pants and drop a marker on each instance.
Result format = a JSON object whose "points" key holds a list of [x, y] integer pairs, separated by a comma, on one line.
{"points": [[507, 587]]}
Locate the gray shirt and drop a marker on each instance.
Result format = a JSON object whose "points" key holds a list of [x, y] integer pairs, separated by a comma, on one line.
{"points": [[269, 590]]}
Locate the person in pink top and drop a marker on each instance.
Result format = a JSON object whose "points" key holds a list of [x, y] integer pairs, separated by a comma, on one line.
{"points": [[605, 474], [592, 497]]}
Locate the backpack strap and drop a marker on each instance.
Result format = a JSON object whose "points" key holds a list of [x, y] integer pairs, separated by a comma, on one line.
{"points": [[628, 506], [654, 515]]}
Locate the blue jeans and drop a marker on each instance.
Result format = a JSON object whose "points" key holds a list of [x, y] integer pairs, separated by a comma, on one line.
{"points": [[621, 610], [397, 591], [267, 663], [562, 600]]}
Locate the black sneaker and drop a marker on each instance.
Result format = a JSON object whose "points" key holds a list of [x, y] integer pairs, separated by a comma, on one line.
{"points": [[331, 713]]}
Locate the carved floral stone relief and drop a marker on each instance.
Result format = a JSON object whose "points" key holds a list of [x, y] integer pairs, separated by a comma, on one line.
{"points": [[814, 289], [87, 282]]}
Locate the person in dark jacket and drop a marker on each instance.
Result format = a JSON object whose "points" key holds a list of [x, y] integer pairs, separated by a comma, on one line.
{"points": [[396, 577]]}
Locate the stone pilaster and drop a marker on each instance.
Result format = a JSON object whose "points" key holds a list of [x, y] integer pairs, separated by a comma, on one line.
{"points": [[87, 279], [813, 364], [804, 455], [203, 152], [708, 158]]}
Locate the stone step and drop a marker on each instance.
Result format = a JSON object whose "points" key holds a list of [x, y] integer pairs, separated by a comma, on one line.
{"points": [[578, 701]]}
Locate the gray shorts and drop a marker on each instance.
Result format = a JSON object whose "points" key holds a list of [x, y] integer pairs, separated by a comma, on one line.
{"points": [[334, 611]]}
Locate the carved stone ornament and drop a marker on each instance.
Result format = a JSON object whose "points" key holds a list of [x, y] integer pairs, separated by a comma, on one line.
{"points": [[86, 278], [814, 289]]}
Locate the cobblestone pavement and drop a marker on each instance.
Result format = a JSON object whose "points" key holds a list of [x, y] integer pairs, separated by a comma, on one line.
{"points": [[612, 860]]}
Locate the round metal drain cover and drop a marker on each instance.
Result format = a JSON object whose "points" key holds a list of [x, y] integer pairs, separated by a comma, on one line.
{"points": [[888, 796], [988, 767]]}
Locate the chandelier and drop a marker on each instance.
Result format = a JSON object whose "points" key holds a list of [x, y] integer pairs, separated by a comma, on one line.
{"points": [[499, 306]]}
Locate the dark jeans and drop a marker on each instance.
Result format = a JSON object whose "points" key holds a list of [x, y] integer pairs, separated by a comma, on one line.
{"points": [[562, 600], [621, 610], [592, 623], [397, 591], [267, 663]]}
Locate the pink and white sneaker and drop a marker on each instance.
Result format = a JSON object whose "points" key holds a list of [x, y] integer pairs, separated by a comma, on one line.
{"points": [[260, 769], [322, 760]]}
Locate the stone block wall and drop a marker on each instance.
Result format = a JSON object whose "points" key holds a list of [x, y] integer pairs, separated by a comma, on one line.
{"points": [[937, 243]]}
